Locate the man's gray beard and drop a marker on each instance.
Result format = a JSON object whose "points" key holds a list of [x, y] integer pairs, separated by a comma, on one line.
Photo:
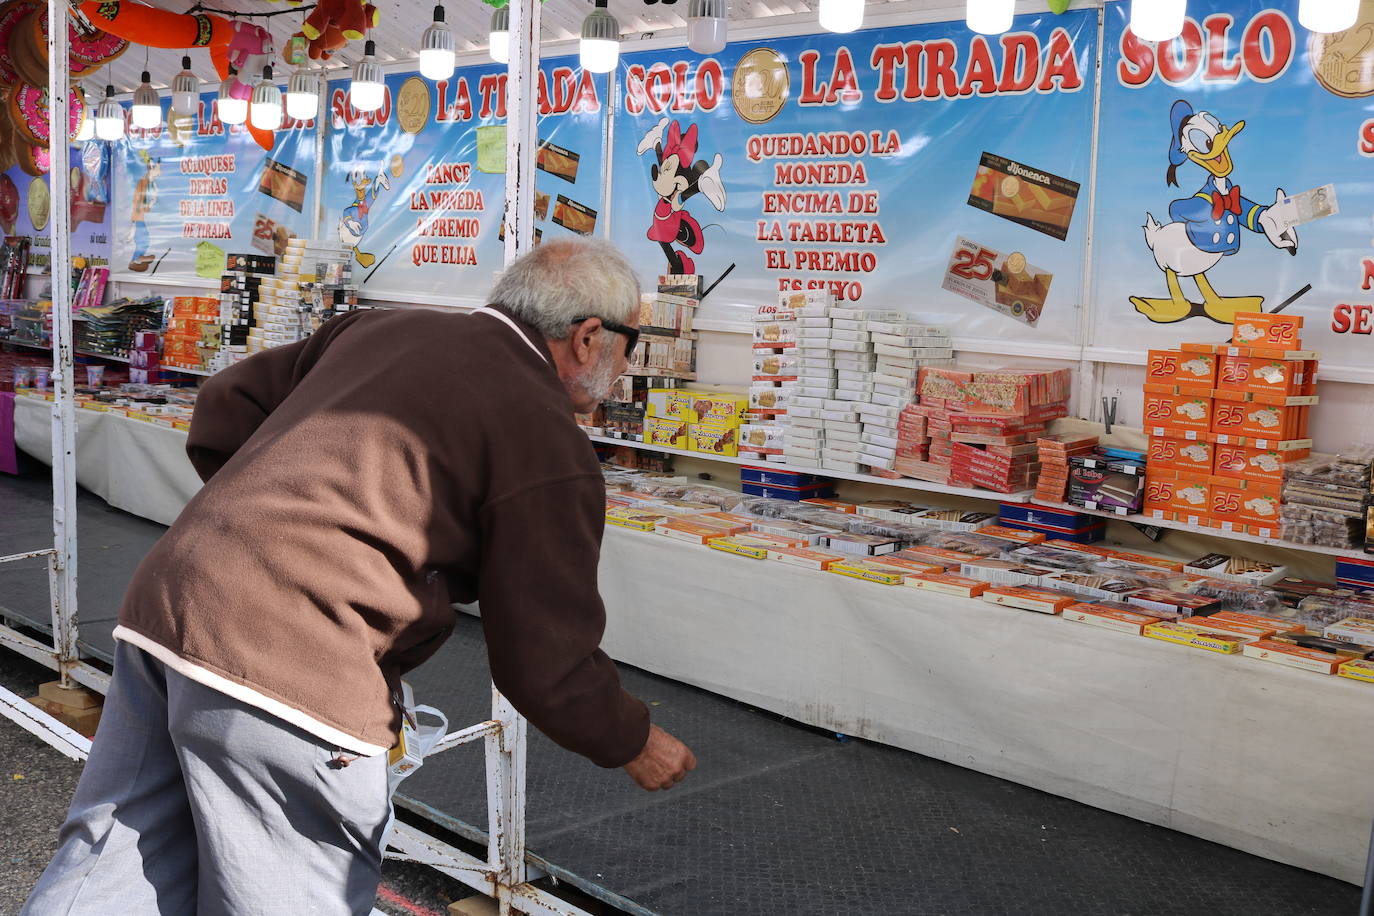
{"points": [[596, 384]]}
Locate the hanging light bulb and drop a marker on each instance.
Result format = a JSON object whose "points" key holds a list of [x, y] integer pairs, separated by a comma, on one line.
{"points": [[367, 92], [303, 95], [991, 17], [436, 48], [109, 118], [1158, 20], [185, 90], [706, 26], [265, 113], [499, 38], [841, 15], [146, 111], [599, 50], [1328, 15], [229, 109]]}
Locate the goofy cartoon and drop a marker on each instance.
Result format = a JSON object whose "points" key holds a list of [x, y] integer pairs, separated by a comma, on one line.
{"points": [[353, 222], [676, 178], [1206, 226]]}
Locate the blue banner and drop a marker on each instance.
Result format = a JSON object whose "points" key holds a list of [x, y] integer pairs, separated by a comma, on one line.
{"points": [[199, 190], [1234, 176], [26, 207], [924, 168], [417, 188]]}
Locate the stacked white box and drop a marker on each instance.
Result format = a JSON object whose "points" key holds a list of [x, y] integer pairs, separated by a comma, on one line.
{"points": [[851, 352], [774, 381], [901, 347], [805, 440]]}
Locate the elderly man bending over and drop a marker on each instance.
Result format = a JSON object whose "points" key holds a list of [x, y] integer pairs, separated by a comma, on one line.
{"points": [[356, 484]]}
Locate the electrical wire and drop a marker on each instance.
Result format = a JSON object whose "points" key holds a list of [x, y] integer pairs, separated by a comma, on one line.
{"points": [[239, 14]]}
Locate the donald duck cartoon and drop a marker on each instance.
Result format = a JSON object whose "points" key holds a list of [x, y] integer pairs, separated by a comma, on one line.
{"points": [[1206, 226], [353, 221]]}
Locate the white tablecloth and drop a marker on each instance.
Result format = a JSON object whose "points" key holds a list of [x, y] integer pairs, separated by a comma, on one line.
{"points": [[1263, 758], [1267, 759], [135, 466]]}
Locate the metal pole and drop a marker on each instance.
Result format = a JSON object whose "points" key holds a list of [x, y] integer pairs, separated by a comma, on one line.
{"points": [[522, 136], [506, 802], [506, 767], [63, 565]]}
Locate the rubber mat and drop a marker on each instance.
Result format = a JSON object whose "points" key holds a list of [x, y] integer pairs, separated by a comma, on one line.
{"points": [[780, 819]]}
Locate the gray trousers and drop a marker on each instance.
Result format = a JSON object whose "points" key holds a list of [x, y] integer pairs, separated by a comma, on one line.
{"points": [[194, 803]]}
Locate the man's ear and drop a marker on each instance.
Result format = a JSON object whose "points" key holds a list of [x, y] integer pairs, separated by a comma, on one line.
{"points": [[582, 340]]}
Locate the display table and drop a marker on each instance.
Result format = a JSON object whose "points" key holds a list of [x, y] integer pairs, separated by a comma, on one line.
{"points": [[1267, 759], [1250, 754], [133, 465]]}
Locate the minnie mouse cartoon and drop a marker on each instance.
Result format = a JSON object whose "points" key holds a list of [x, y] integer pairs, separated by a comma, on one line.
{"points": [[676, 178]]}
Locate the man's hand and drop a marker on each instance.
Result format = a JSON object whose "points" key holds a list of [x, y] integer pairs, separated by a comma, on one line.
{"points": [[662, 763]]}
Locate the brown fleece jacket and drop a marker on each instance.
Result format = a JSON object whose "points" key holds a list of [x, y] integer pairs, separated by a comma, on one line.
{"points": [[360, 481]]}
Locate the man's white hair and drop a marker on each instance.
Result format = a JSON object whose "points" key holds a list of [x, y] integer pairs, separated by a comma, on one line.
{"points": [[567, 279]]}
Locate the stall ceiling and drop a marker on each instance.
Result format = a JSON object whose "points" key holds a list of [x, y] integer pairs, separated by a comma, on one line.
{"points": [[402, 21]]}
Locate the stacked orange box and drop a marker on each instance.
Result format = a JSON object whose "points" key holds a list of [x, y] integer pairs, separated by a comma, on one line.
{"points": [[1223, 420], [1055, 451], [186, 330], [981, 424]]}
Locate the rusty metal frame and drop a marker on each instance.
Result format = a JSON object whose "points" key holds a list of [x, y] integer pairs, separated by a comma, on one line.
{"points": [[62, 655], [503, 875]]}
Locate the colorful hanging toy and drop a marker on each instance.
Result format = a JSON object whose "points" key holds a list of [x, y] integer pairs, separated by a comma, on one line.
{"points": [[246, 47]]}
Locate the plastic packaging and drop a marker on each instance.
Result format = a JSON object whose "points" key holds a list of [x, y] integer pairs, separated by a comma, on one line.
{"points": [[1054, 557], [1319, 611], [1240, 596], [968, 542], [904, 535], [95, 376]]}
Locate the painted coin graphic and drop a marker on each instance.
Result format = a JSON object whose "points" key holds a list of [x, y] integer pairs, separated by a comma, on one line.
{"points": [[1343, 62], [760, 85], [412, 105], [40, 204]]}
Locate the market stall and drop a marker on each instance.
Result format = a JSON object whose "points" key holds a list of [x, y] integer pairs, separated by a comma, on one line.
{"points": [[993, 274]]}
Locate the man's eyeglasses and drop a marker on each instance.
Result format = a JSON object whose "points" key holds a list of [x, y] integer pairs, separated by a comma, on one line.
{"points": [[631, 334]]}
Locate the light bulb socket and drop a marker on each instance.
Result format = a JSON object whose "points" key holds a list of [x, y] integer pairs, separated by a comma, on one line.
{"points": [[369, 49], [707, 9], [109, 91], [600, 25], [186, 63], [437, 37], [438, 12], [303, 82]]}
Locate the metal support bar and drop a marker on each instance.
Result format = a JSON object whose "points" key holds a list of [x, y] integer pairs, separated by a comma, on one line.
{"points": [[79, 671], [16, 557], [522, 138], [62, 570], [466, 736], [39, 723], [506, 801]]}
